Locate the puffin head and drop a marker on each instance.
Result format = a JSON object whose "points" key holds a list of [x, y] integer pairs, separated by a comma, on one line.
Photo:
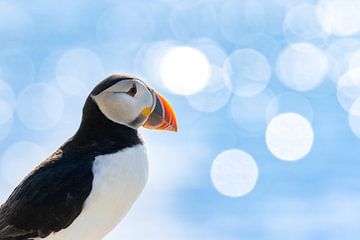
{"points": [[129, 101]]}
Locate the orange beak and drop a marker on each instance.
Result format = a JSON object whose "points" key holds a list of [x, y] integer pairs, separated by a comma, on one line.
{"points": [[163, 116]]}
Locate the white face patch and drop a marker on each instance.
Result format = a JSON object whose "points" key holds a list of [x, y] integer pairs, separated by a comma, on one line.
{"points": [[118, 104]]}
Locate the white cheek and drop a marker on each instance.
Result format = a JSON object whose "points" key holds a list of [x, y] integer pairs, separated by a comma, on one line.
{"points": [[117, 107]]}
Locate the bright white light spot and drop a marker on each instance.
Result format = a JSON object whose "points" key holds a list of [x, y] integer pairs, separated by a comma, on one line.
{"points": [[289, 136], [214, 96], [78, 71], [339, 17], [185, 70], [250, 112], [234, 173], [40, 106], [301, 24], [354, 117], [348, 88], [302, 66], [289, 102], [19, 159], [247, 72]]}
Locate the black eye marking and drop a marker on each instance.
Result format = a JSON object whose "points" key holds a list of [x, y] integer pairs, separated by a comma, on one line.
{"points": [[132, 91]]}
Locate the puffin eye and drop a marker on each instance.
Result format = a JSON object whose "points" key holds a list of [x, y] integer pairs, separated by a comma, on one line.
{"points": [[132, 91]]}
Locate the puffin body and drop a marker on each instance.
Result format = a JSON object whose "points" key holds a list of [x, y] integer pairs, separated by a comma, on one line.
{"points": [[125, 171], [85, 188]]}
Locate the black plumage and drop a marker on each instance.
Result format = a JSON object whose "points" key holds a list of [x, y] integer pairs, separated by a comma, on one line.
{"points": [[52, 196]]}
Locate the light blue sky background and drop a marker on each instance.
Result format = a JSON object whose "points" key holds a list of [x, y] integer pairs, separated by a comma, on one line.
{"points": [[53, 52]]}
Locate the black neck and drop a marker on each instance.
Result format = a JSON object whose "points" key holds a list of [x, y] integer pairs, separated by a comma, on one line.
{"points": [[99, 134]]}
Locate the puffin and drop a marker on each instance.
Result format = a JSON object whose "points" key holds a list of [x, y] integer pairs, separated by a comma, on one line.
{"points": [[87, 186]]}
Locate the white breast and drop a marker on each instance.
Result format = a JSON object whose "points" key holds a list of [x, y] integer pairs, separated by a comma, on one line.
{"points": [[119, 178]]}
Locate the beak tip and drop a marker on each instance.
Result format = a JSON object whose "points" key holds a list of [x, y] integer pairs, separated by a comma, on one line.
{"points": [[174, 125], [174, 129]]}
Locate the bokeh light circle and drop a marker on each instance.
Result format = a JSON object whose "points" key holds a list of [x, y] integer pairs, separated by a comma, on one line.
{"points": [[289, 136], [348, 88], [234, 173], [185, 70], [302, 66], [19, 159], [40, 106], [247, 72], [78, 71], [339, 17]]}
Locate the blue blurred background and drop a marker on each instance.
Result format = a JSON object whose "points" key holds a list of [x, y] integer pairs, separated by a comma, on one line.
{"points": [[266, 94]]}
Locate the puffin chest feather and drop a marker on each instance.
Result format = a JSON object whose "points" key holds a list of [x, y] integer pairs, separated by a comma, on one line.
{"points": [[119, 178]]}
